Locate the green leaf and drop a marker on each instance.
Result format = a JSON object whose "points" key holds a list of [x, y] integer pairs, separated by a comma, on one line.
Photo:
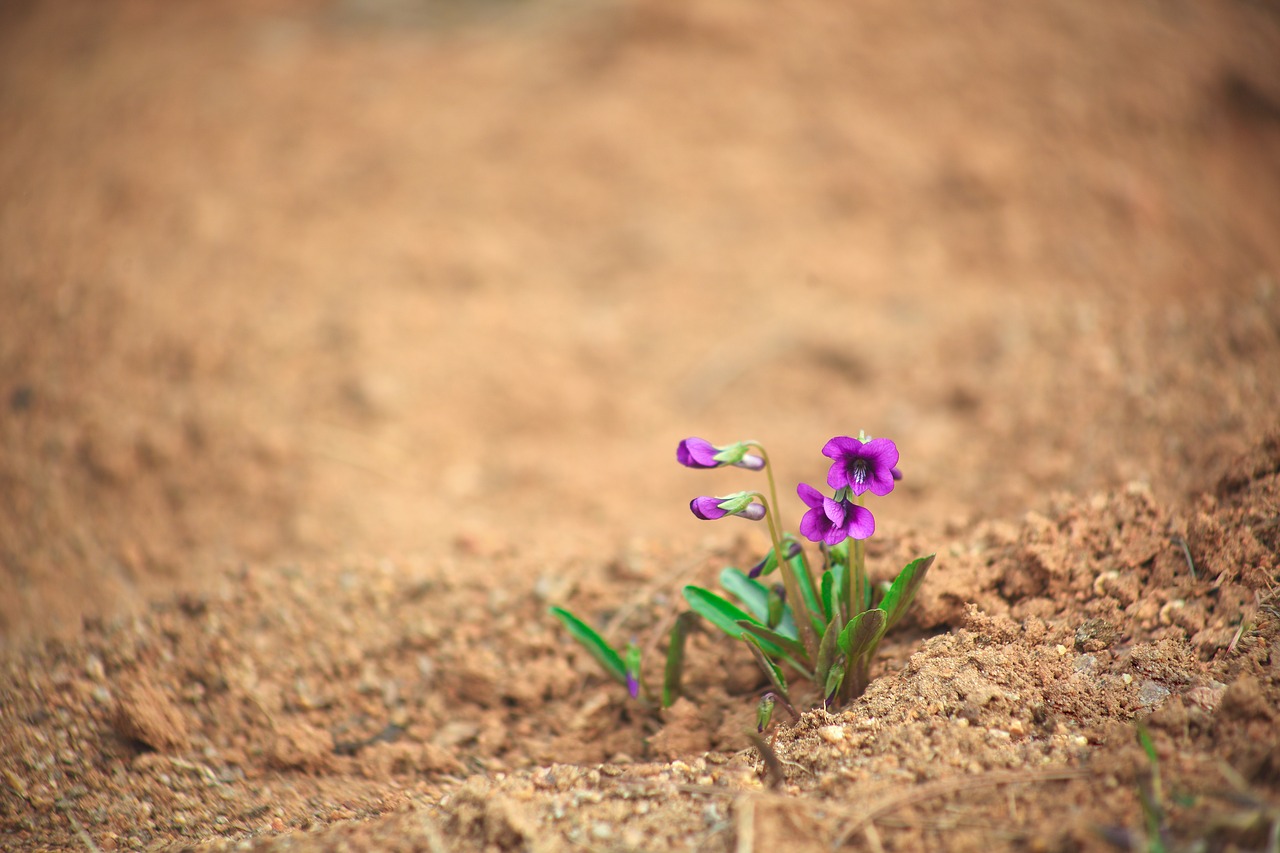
{"points": [[840, 590], [800, 566], [792, 651], [594, 643], [756, 645], [674, 672], [826, 653], [903, 591], [755, 597], [835, 677], [764, 712], [828, 590], [723, 615], [862, 633]]}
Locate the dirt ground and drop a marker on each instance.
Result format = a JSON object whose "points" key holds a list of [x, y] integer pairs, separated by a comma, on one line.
{"points": [[338, 340]]}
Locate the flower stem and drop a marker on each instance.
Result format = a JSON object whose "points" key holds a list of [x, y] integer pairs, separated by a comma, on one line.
{"points": [[855, 676], [768, 471], [794, 594], [773, 497], [859, 555]]}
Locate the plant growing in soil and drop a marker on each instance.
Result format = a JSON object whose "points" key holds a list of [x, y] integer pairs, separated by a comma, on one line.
{"points": [[821, 625]]}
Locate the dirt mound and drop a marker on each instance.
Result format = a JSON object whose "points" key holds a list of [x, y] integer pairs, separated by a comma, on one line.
{"points": [[303, 697]]}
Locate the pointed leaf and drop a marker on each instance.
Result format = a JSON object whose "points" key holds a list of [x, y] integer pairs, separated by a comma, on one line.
{"points": [[840, 591], [800, 567], [755, 598], [604, 654], [828, 592], [826, 652], [792, 650], [835, 678], [723, 615], [753, 594], [770, 668], [674, 672], [862, 633], [903, 591]]}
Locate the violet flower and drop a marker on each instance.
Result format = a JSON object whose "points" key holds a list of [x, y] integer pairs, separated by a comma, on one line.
{"points": [[700, 453], [833, 521], [739, 503], [862, 466]]}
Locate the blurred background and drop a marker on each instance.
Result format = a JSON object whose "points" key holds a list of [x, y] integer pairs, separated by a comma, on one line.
{"points": [[283, 279]]}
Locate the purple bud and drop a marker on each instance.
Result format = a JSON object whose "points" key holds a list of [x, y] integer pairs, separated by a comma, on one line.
{"points": [[633, 685], [697, 453], [700, 453], [739, 503], [708, 509]]}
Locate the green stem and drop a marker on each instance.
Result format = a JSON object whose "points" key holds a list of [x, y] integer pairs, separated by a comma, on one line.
{"points": [[768, 471], [773, 497], [800, 609], [856, 671], [857, 575]]}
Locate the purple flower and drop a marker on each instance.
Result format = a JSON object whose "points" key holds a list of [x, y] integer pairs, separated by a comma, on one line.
{"points": [[700, 453], [739, 503], [633, 685], [833, 521], [862, 466]]}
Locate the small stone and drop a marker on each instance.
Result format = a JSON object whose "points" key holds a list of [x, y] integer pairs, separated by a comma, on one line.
{"points": [[1094, 635], [1086, 665], [831, 734], [1151, 694], [94, 669]]}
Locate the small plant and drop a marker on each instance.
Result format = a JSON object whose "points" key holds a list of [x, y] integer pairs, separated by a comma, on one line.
{"points": [[822, 626]]}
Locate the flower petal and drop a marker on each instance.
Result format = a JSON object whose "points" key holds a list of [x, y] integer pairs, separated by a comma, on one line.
{"points": [[815, 525], [882, 454], [861, 523], [835, 536], [812, 497], [707, 508], [841, 446], [835, 510], [697, 453], [882, 451]]}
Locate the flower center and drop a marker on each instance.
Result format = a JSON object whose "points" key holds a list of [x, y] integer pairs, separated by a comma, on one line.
{"points": [[858, 471]]}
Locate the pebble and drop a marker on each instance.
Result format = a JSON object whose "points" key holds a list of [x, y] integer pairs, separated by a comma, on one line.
{"points": [[1152, 694], [94, 669], [831, 734]]}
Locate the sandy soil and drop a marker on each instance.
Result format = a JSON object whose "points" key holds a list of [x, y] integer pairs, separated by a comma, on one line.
{"points": [[339, 340]]}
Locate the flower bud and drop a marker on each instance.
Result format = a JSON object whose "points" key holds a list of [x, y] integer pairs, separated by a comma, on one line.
{"points": [[739, 503]]}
